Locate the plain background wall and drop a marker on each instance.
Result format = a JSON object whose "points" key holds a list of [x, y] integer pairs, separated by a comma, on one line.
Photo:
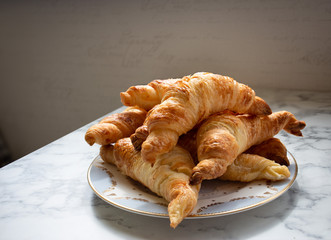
{"points": [[64, 63]]}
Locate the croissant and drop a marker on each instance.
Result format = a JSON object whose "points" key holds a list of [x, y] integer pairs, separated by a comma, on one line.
{"points": [[249, 167], [222, 137], [256, 163], [169, 177], [116, 126], [272, 149], [187, 102]]}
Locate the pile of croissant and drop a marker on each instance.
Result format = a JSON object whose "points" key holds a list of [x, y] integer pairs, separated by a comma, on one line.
{"points": [[175, 133]]}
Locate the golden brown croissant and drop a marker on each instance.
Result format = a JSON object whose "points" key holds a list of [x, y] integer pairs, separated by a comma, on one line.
{"points": [[249, 167], [116, 126], [169, 177], [222, 137], [272, 149], [189, 101]]}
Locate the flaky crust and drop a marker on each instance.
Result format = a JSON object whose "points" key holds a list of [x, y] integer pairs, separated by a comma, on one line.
{"points": [[189, 101], [250, 167], [272, 148], [116, 126], [168, 177], [222, 137], [262, 161]]}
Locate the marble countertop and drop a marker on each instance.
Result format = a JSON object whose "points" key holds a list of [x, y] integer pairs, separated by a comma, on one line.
{"points": [[45, 195]]}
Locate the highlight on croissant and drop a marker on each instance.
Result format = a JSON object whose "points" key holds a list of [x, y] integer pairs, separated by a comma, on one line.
{"points": [[176, 133]]}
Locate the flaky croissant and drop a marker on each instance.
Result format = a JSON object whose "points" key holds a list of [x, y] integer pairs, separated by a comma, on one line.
{"points": [[116, 126], [168, 177], [187, 102], [272, 148], [222, 137], [250, 167], [261, 161]]}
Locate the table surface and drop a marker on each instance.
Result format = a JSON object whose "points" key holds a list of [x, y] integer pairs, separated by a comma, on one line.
{"points": [[45, 195]]}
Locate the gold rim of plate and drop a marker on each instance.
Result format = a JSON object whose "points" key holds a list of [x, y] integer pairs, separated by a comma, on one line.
{"points": [[195, 216]]}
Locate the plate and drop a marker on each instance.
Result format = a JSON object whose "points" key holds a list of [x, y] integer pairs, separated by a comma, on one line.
{"points": [[216, 198]]}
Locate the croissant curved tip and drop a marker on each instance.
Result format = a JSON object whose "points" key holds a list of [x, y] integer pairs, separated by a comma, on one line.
{"points": [[174, 224], [89, 139], [185, 199], [295, 126], [106, 153], [196, 178], [125, 98], [278, 172]]}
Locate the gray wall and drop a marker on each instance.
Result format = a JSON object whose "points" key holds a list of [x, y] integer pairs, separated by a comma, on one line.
{"points": [[63, 63]]}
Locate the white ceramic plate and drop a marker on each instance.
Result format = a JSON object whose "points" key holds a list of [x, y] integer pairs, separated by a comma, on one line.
{"points": [[216, 198]]}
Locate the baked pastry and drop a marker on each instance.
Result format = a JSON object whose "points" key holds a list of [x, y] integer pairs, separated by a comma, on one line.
{"points": [[262, 161], [222, 137], [116, 126], [169, 176], [272, 149], [189, 101], [250, 167]]}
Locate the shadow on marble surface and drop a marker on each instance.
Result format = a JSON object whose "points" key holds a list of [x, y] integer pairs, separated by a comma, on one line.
{"points": [[236, 226]]}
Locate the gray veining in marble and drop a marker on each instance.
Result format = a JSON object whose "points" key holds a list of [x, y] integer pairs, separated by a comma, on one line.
{"points": [[45, 195]]}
